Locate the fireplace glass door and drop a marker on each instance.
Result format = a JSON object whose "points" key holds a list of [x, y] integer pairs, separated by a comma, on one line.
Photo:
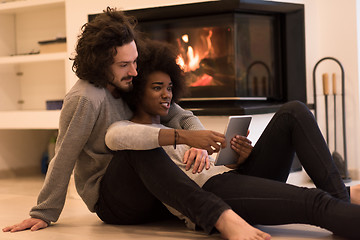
{"points": [[225, 56]]}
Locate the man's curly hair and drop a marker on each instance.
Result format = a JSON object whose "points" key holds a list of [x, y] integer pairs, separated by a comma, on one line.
{"points": [[156, 56], [96, 46]]}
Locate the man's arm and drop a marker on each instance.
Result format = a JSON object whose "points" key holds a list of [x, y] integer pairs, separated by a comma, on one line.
{"points": [[75, 125], [77, 119], [33, 224], [123, 135], [181, 119]]}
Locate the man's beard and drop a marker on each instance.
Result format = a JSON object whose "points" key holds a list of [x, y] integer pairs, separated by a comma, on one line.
{"points": [[120, 90]]}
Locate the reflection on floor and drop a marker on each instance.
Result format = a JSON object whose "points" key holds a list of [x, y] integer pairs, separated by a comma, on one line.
{"points": [[18, 195]]}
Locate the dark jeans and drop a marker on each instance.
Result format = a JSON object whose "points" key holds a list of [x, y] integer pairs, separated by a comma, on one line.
{"points": [[136, 182], [257, 190]]}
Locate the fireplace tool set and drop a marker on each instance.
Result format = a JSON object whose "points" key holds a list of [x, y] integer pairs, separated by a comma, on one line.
{"points": [[340, 162]]}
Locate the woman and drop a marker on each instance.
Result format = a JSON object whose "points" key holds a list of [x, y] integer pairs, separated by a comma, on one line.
{"points": [[256, 189]]}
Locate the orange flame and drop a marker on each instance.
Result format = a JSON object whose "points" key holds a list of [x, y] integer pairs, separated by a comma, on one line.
{"points": [[180, 61], [190, 59], [194, 59]]}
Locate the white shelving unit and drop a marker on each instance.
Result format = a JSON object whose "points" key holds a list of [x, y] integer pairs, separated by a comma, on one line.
{"points": [[33, 58], [29, 120], [27, 80]]}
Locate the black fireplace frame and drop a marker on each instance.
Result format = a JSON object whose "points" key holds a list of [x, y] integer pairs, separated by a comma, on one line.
{"points": [[291, 27]]}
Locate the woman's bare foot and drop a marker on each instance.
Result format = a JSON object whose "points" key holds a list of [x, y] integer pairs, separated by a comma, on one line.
{"points": [[355, 194], [233, 227]]}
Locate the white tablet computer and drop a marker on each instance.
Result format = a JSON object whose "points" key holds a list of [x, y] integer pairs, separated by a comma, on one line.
{"points": [[237, 125]]}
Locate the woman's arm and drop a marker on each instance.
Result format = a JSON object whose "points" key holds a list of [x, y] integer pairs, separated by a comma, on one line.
{"points": [[209, 140], [125, 135]]}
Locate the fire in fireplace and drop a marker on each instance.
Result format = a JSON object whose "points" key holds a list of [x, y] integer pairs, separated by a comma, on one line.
{"points": [[226, 56], [239, 56]]}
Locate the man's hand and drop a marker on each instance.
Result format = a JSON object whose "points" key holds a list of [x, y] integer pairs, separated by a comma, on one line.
{"points": [[198, 157], [33, 224]]}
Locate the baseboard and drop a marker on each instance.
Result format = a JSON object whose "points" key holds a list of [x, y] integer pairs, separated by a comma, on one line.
{"points": [[354, 174]]}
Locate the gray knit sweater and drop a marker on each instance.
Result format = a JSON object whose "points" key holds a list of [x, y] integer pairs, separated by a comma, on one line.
{"points": [[87, 113]]}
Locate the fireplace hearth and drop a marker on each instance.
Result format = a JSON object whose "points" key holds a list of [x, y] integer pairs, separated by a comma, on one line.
{"points": [[239, 56]]}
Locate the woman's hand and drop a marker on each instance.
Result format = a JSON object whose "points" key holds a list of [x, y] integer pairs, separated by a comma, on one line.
{"points": [[242, 146], [198, 157], [209, 140], [33, 224]]}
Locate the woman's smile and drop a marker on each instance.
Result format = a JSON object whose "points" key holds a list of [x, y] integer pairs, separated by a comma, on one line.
{"points": [[166, 104]]}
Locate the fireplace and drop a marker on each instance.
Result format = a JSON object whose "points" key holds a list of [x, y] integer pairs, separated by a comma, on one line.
{"points": [[239, 56], [215, 66]]}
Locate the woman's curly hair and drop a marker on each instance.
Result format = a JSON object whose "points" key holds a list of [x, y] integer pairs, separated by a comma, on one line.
{"points": [[96, 46], [156, 56]]}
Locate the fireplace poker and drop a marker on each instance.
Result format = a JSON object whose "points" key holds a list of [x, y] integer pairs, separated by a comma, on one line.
{"points": [[325, 78], [339, 161], [334, 93]]}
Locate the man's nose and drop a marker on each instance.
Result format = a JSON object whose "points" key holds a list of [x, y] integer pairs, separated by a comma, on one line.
{"points": [[133, 70]]}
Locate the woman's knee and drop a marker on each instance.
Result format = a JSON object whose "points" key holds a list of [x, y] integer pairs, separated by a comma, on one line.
{"points": [[295, 108]]}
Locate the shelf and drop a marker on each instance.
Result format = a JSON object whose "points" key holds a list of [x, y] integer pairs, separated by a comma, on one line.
{"points": [[28, 5], [30, 119], [33, 58]]}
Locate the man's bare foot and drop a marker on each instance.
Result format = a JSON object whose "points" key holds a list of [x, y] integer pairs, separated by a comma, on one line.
{"points": [[355, 194], [233, 227]]}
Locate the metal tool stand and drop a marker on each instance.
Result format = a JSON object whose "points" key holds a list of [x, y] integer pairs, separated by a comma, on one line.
{"points": [[345, 174]]}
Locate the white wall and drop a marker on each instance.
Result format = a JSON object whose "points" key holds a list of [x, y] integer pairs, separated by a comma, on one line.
{"points": [[332, 31]]}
